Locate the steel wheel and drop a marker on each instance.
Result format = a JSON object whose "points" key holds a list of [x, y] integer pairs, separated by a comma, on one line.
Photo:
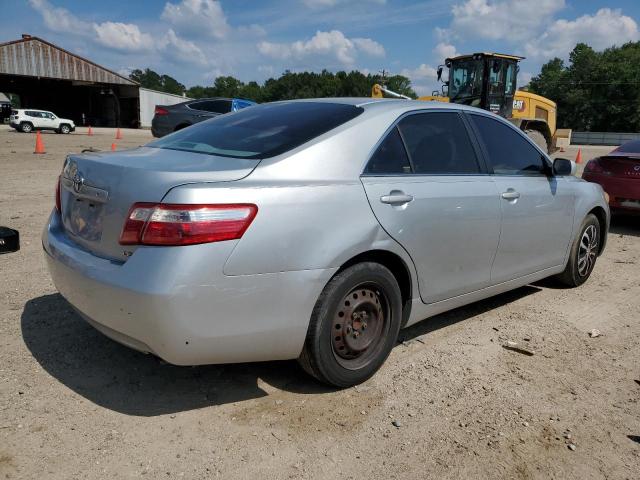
{"points": [[587, 251], [359, 326]]}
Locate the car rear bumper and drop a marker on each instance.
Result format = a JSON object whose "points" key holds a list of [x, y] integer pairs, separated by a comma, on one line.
{"points": [[624, 193], [175, 302]]}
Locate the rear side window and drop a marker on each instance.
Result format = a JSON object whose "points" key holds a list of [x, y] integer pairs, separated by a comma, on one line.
{"points": [[438, 144], [214, 106], [261, 131], [390, 157], [509, 152]]}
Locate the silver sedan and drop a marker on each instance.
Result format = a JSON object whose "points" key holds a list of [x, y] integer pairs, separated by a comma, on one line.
{"points": [[314, 230]]}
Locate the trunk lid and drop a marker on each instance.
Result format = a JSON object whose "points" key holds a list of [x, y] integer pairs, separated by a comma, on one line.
{"points": [[625, 165], [98, 189]]}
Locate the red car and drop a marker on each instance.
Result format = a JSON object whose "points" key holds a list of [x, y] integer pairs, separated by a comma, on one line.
{"points": [[619, 175]]}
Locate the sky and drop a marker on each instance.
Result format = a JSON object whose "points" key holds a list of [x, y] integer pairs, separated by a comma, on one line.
{"points": [[196, 40]]}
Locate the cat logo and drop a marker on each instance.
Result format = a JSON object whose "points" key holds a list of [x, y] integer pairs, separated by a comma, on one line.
{"points": [[519, 105]]}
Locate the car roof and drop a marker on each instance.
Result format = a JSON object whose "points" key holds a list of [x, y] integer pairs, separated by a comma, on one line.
{"points": [[387, 104]]}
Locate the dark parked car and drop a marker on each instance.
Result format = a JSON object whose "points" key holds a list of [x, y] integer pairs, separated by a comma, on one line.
{"points": [[171, 118]]}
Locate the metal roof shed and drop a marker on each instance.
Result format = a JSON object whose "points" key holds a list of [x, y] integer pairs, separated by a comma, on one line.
{"points": [[48, 77]]}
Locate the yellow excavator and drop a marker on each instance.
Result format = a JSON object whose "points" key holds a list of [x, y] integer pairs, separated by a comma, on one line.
{"points": [[488, 81]]}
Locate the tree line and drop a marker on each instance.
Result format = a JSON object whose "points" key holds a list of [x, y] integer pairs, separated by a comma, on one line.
{"points": [[595, 91], [289, 85]]}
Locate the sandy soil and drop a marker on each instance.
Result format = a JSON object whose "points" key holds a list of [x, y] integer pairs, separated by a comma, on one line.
{"points": [[74, 404]]}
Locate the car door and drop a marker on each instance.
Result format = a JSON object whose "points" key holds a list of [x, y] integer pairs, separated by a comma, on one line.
{"points": [[537, 207], [428, 190]]}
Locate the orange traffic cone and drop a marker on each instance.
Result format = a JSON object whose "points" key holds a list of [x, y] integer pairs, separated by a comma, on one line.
{"points": [[579, 156], [39, 143], [118, 135], [90, 132], [113, 147]]}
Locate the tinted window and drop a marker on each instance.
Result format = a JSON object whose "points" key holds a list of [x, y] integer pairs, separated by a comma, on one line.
{"points": [[215, 106], [31, 113], [629, 147], [261, 131], [390, 157], [509, 152], [438, 144]]}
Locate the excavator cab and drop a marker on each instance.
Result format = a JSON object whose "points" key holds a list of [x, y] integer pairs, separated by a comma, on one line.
{"points": [[483, 80]]}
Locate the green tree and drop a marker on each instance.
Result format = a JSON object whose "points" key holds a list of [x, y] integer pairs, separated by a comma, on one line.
{"points": [[147, 78], [596, 91]]}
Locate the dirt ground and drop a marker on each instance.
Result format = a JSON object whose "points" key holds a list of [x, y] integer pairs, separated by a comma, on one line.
{"points": [[75, 405]]}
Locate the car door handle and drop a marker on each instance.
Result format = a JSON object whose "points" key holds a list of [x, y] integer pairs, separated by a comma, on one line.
{"points": [[510, 195], [396, 198]]}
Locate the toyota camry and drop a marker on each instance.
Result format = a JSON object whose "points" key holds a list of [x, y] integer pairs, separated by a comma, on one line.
{"points": [[314, 230]]}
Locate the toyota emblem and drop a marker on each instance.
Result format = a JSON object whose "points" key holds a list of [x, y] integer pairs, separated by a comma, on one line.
{"points": [[78, 181]]}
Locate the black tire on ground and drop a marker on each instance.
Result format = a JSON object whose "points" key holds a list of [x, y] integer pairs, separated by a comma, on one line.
{"points": [[584, 253], [354, 325], [64, 128], [26, 127], [538, 138]]}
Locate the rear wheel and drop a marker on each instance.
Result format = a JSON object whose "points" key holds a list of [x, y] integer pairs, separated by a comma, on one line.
{"points": [[538, 138], [354, 325], [584, 253], [26, 127]]}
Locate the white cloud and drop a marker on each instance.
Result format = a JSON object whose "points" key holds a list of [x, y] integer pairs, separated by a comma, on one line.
{"points": [[197, 18], [180, 50], [331, 45], [369, 47], [122, 36], [604, 29], [423, 79], [510, 20], [59, 19], [332, 3], [444, 50]]}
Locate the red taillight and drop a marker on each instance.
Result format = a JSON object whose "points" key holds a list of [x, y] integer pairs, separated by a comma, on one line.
{"points": [[58, 202], [161, 111], [593, 166], [171, 224]]}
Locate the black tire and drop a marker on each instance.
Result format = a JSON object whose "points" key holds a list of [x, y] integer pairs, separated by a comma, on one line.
{"points": [[64, 128], [341, 348], [538, 138], [26, 127], [578, 271]]}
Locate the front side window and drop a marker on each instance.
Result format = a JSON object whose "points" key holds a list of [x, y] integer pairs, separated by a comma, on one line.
{"points": [[390, 158], [261, 131], [438, 144], [510, 153]]}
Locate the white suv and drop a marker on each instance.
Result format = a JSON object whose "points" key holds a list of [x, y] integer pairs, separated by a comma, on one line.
{"points": [[25, 120]]}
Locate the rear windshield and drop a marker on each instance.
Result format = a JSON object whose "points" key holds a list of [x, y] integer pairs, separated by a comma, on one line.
{"points": [[630, 147], [262, 131]]}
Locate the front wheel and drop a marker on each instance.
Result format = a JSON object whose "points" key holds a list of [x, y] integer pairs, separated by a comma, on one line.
{"points": [[64, 129], [354, 325], [584, 253]]}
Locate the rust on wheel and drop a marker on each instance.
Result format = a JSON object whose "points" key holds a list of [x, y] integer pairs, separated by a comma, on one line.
{"points": [[359, 326]]}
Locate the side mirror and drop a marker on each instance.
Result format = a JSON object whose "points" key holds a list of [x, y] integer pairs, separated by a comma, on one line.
{"points": [[9, 240], [564, 166], [440, 73]]}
